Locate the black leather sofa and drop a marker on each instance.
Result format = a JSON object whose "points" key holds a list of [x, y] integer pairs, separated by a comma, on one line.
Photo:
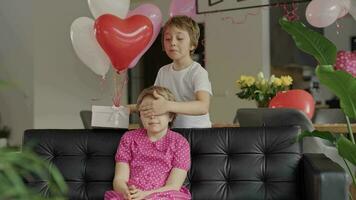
{"points": [[227, 163]]}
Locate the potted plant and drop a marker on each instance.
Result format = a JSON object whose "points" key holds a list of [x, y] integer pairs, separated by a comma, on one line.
{"points": [[260, 89], [4, 135], [341, 83], [4, 130], [16, 167]]}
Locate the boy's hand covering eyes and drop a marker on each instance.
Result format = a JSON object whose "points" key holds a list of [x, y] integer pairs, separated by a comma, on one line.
{"points": [[158, 106]]}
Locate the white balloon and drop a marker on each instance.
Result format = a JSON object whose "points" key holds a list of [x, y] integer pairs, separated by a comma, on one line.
{"points": [[322, 13], [345, 7], [87, 47], [119, 8], [352, 9]]}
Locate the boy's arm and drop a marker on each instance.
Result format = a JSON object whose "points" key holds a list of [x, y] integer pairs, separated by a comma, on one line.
{"points": [[122, 174], [132, 108], [200, 106]]}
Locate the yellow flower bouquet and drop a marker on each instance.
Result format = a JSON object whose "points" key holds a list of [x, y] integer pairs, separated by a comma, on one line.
{"points": [[260, 89]]}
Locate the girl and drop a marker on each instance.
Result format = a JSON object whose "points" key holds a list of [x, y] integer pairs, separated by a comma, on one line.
{"points": [[151, 163]]}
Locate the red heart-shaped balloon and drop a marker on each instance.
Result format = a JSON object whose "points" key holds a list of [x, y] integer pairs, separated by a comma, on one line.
{"points": [[123, 39]]}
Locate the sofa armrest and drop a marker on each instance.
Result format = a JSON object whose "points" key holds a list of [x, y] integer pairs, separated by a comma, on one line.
{"points": [[323, 178]]}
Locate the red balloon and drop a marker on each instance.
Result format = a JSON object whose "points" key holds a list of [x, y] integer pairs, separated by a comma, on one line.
{"points": [[123, 39], [297, 99]]}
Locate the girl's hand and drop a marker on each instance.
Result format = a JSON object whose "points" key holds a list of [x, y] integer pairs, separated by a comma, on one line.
{"points": [[124, 190], [158, 106], [136, 194]]}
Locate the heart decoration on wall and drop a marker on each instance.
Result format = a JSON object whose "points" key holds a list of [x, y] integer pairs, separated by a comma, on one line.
{"points": [[123, 39], [346, 60]]}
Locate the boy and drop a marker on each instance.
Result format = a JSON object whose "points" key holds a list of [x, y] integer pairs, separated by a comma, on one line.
{"points": [[187, 79]]}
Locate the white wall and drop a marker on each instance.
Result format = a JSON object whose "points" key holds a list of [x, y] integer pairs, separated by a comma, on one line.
{"points": [[58, 85], [341, 36], [231, 51], [63, 84], [16, 66]]}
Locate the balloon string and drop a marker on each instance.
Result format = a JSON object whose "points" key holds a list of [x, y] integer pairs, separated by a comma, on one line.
{"points": [[119, 86], [291, 14], [102, 84], [338, 27]]}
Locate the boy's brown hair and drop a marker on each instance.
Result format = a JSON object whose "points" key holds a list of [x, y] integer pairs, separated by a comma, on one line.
{"points": [[164, 92], [185, 23]]}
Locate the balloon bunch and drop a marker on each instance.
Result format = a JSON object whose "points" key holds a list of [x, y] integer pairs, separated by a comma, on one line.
{"points": [[322, 13], [346, 61], [117, 37]]}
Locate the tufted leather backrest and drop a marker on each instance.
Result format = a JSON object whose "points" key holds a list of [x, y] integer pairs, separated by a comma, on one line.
{"points": [[227, 163]]}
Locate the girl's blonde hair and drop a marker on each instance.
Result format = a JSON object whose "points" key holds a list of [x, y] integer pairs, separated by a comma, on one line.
{"points": [[185, 23], [164, 92]]}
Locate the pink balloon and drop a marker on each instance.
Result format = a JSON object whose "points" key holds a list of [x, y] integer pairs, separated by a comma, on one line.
{"points": [[182, 7], [322, 13], [153, 13]]}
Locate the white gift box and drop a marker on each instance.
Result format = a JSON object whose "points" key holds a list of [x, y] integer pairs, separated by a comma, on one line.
{"points": [[112, 117]]}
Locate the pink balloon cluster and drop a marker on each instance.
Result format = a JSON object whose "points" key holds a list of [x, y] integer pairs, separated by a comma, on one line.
{"points": [[346, 61], [322, 13]]}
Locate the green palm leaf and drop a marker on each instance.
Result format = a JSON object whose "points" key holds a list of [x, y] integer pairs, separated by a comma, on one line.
{"points": [[326, 135], [342, 84], [310, 41], [346, 149], [15, 166]]}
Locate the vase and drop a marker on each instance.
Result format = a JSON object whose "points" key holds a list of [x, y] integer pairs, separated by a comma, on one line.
{"points": [[3, 142], [262, 104]]}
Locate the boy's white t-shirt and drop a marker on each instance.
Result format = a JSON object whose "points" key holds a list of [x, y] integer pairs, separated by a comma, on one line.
{"points": [[184, 84]]}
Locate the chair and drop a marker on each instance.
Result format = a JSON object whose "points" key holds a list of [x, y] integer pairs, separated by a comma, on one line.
{"points": [[329, 116], [251, 117], [85, 115]]}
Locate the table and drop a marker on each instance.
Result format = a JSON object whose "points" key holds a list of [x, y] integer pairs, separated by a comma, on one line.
{"points": [[335, 128]]}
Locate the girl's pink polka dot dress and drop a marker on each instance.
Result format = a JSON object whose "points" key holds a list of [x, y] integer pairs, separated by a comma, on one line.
{"points": [[151, 163]]}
